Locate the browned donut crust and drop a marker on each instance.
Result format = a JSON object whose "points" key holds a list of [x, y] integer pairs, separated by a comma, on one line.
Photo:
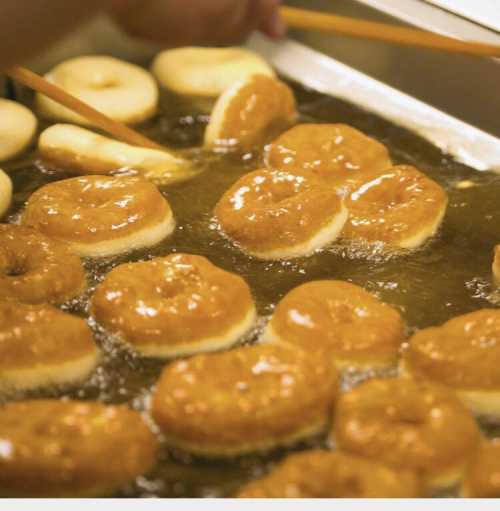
{"points": [[172, 303], [407, 424], [248, 399], [323, 474], [92, 209], [268, 210], [351, 325], [36, 269], [250, 113], [393, 206], [53, 448], [328, 150], [482, 477], [463, 353], [33, 336]]}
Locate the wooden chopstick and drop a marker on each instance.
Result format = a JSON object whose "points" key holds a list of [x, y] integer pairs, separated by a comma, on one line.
{"points": [[115, 128], [330, 23]]}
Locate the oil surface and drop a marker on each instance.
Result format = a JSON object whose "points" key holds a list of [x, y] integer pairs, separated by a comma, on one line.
{"points": [[447, 277]]}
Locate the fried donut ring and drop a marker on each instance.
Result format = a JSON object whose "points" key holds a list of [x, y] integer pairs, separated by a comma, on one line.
{"points": [[248, 399], [41, 345], [53, 448], [327, 150], [343, 320], [17, 128], [495, 267], [249, 113], [408, 424], [125, 92], [203, 74], [481, 477], [399, 206], [175, 305], [464, 355], [323, 474], [276, 215], [101, 216], [5, 193], [36, 269], [84, 152]]}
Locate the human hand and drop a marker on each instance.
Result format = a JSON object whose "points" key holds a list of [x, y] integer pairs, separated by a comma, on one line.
{"points": [[198, 22]]}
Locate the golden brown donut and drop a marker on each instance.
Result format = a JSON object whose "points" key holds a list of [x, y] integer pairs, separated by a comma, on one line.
{"points": [[329, 151], [343, 320], [408, 424], [324, 474], [101, 216], [399, 206], [248, 399], [495, 267], [482, 477], [277, 215], [52, 448], [175, 305], [464, 355], [41, 345], [36, 269], [249, 113]]}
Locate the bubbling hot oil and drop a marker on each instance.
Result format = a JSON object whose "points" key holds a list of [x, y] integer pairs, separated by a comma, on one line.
{"points": [[450, 275]]}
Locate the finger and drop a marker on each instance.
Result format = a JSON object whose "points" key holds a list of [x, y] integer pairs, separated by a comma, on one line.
{"points": [[272, 23]]}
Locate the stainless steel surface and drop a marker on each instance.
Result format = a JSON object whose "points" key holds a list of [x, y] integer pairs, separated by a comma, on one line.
{"points": [[465, 143], [465, 87]]}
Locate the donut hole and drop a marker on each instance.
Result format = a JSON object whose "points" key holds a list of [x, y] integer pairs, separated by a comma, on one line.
{"points": [[282, 189], [14, 266], [15, 271], [105, 82], [352, 485], [343, 313]]}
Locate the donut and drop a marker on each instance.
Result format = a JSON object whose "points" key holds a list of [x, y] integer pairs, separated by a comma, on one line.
{"points": [[174, 305], [253, 398], [17, 128], [250, 112], [5, 193], [400, 207], [82, 151], [203, 74], [329, 151], [36, 269], [122, 91], [53, 448], [323, 474], [348, 324], [101, 216], [463, 354], [408, 424], [495, 267], [41, 345], [276, 215], [482, 477]]}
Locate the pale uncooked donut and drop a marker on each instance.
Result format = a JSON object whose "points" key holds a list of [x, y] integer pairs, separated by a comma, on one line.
{"points": [[17, 128], [5, 192], [206, 72], [122, 91], [85, 152]]}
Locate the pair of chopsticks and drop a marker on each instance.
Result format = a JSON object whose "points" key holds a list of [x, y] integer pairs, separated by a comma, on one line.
{"points": [[295, 18]]}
